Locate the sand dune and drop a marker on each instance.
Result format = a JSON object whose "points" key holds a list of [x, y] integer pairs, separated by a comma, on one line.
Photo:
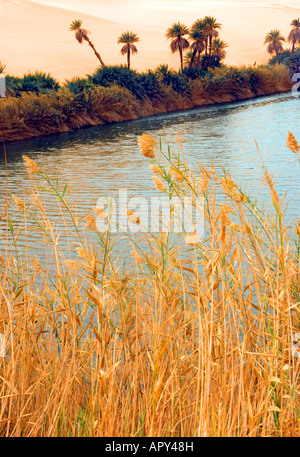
{"points": [[35, 36]]}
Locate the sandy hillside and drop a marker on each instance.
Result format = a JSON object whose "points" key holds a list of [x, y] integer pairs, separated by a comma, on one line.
{"points": [[35, 36]]}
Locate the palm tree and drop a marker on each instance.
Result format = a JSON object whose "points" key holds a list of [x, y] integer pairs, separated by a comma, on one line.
{"points": [[82, 34], [128, 39], [187, 59], [294, 36], [163, 71], [2, 67], [164, 74], [294, 61], [218, 49], [176, 33], [274, 40], [198, 44], [211, 27]]}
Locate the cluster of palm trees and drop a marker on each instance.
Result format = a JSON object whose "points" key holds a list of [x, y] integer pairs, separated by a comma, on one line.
{"points": [[275, 39], [203, 37]]}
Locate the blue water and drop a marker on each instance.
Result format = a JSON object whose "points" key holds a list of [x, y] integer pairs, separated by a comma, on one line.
{"points": [[100, 160]]}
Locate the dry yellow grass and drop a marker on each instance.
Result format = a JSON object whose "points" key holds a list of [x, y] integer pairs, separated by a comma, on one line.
{"points": [[172, 347]]}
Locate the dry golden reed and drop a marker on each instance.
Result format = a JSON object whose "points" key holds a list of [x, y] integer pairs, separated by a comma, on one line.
{"points": [[19, 204], [238, 197], [90, 222], [72, 265], [137, 257], [176, 175], [292, 143], [133, 218], [100, 213], [36, 266], [203, 183], [147, 146], [229, 186], [31, 165], [157, 170], [178, 337], [81, 253], [159, 184]]}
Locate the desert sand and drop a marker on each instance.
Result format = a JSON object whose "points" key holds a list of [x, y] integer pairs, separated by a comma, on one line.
{"points": [[35, 35]]}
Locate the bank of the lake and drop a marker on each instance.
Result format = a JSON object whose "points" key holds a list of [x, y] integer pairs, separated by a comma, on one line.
{"points": [[118, 97]]}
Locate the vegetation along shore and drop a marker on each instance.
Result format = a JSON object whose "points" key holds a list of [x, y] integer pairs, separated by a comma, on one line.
{"points": [[36, 104]]}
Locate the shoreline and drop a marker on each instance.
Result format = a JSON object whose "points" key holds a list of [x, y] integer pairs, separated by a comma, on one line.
{"points": [[256, 97], [31, 116], [152, 116]]}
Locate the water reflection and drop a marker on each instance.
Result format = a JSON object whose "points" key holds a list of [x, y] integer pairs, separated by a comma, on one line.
{"points": [[99, 160]]}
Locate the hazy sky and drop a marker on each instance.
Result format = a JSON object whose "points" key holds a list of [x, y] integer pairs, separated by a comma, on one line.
{"points": [[34, 34], [158, 12]]}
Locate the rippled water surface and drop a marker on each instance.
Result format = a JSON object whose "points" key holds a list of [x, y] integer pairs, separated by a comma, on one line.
{"points": [[97, 161]]}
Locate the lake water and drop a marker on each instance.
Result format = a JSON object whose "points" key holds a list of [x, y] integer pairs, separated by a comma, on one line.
{"points": [[100, 160]]}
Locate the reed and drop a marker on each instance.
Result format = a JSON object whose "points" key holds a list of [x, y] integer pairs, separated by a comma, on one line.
{"points": [[173, 346]]}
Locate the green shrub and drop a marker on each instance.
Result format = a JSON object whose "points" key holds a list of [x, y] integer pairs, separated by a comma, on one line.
{"points": [[38, 82], [194, 73], [291, 60], [210, 62], [180, 84], [79, 85], [150, 85], [13, 86], [119, 76], [282, 57], [294, 61], [164, 73]]}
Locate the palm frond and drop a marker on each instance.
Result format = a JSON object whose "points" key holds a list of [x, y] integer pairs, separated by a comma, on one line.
{"points": [[128, 38], [133, 49], [75, 25], [124, 50], [177, 30]]}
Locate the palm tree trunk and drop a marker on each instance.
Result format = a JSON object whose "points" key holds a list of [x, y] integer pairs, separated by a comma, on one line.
{"points": [[210, 44], [198, 59], [128, 56], [293, 47], [193, 58], [192, 61], [206, 46], [181, 57], [210, 49], [95, 51]]}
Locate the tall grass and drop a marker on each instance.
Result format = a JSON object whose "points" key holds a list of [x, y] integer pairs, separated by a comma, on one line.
{"points": [[114, 94], [173, 346]]}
